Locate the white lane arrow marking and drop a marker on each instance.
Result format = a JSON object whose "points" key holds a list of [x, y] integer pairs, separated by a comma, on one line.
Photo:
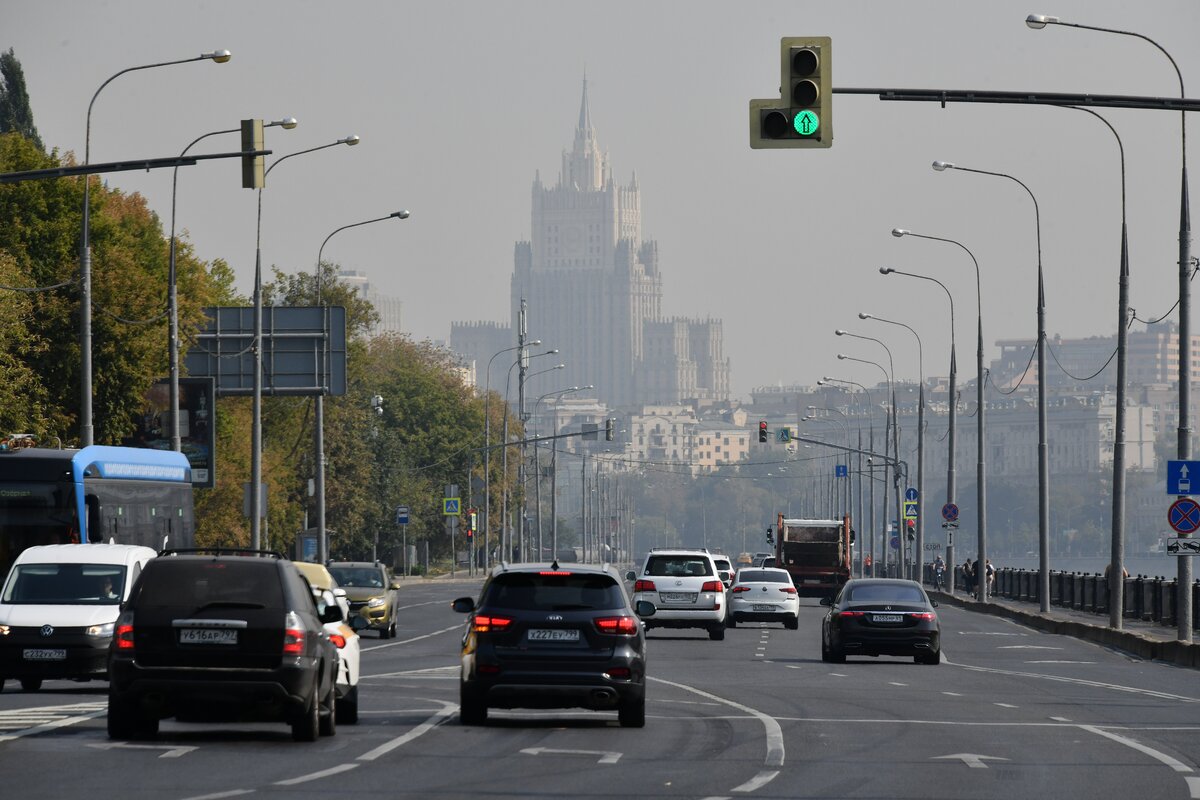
{"points": [[172, 751], [972, 760], [606, 756]]}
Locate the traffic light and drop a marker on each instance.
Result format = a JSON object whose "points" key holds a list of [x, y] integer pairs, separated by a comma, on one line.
{"points": [[910, 525], [252, 166], [471, 521], [608, 429], [762, 430], [802, 116]]}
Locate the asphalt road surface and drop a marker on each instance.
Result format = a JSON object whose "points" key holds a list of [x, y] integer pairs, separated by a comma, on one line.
{"points": [[1009, 713]]}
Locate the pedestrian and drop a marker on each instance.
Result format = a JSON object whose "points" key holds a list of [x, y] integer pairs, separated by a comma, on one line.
{"points": [[968, 577], [990, 573]]}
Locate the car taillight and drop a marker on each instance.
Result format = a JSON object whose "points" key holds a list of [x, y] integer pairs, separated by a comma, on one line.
{"points": [[644, 586], [124, 632], [712, 586], [926, 615], [737, 589], [485, 624], [554, 572], [788, 589], [620, 673], [293, 635], [338, 640], [846, 614], [622, 626], [487, 669]]}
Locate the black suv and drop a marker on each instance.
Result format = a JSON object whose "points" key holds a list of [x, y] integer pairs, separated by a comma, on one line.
{"points": [[222, 636], [546, 637]]}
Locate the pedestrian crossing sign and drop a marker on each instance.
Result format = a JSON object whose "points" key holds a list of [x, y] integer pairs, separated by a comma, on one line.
{"points": [[910, 510], [450, 506]]}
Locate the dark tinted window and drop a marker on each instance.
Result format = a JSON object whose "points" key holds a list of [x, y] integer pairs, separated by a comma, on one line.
{"points": [[886, 591], [763, 576], [678, 566], [371, 577], [171, 582], [571, 592]]}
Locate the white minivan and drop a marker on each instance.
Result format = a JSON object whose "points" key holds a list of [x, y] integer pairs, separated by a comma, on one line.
{"points": [[58, 608]]}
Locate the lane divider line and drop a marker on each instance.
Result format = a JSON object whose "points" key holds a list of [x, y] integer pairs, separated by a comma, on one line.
{"points": [[414, 639], [420, 730], [313, 776], [774, 733], [1157, 755]]}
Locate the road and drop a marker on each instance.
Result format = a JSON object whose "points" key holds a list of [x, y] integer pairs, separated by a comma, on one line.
{"points": [[1009, 713]]}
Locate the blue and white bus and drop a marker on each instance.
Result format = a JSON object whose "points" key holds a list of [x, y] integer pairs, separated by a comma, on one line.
{"points": [[98, 493]]}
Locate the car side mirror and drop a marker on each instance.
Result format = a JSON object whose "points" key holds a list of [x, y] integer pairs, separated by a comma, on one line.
{"points": [[339, 592], [644, 608], [395, 584], [724, 575], [463, 605], [826, 601], [631, 575], [933, 602]]}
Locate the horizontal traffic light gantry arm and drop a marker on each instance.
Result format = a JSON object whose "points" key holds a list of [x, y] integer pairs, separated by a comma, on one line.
{"points": [[120, 166]]}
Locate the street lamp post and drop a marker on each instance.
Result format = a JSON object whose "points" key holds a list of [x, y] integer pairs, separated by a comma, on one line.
{"points": [[487, 443], [256, 498], [1184, 439], [952, 411], [918, 554], [86, 432], [524, 537], [319, 404], [553, 463], [505, 535], [871, 447], [981, 463], [895, 464], [172, 283], [845, 423]]}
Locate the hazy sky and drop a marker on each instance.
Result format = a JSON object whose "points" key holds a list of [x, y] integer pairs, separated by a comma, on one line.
{"points": [[459, 104]]}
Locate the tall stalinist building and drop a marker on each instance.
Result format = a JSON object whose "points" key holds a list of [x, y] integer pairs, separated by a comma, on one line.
{"points": [[593, 291]]}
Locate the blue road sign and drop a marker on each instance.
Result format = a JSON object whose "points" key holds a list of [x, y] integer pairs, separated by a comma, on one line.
{"points": [[950, 512], [910, 510], [1184, 516], [401, 515], [1182, 476], [910, 494], [839, 470], [895, 542], [450, 506]]}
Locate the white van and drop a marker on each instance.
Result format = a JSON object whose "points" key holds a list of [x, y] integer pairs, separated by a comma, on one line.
{"points": [[58, 608]]}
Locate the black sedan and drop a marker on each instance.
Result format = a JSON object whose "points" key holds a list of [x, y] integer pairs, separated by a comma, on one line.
{"points": [[874, 617], [542, 636]]}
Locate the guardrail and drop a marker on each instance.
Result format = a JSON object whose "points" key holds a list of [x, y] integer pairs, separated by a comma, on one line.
{"points": [[1145, 598]]}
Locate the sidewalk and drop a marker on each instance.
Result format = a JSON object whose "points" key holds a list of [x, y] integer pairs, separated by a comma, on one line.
{"points": [[1147, 640]]}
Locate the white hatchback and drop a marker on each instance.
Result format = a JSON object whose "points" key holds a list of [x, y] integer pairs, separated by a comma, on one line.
{"points": [[764, 594]]}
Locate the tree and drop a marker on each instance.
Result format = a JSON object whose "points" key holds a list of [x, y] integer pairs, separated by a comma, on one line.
{"points": [[15, 114]]}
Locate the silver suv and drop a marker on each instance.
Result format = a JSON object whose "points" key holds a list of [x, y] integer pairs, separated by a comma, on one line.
{"points": [[685, 587]]}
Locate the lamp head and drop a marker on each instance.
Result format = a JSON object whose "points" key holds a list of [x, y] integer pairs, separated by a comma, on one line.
{"points": [[862, 315], [401, 214], [559, 366], [287, 123], [942, 166], [886, 270], [842, 356], [550, 352], [898, 232], [841, 332], [589, 386], [534, 343], [349, 140], [219, 56], [1039, 21]]}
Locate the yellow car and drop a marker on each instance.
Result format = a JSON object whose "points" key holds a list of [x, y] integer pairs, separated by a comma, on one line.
{"points": [[373, 593]]}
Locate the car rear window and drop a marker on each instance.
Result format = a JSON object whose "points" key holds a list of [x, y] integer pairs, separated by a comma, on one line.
{"points": [[763, 576], [570, 592], [879, 591], [228, 582], [678, 566]]}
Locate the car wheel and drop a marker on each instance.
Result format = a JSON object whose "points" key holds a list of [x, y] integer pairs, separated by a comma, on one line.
{"points": [[836, 655], [307, 727], [328, 713], [391, 629], [792, 624], [471, 708], [122, 722], [347, 707], [932, 659], [730, 622], [632, 713], [824, 651], [717, 633], [31, 684]]}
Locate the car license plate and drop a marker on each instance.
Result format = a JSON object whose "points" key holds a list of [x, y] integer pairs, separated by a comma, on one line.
{"points": [[763, 607], [207, 636], [887, 618], [678, 597], [553, 635], [45, 654]]}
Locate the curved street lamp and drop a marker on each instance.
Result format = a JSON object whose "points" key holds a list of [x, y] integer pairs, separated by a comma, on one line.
{"points": [[86, 434], [487, 442], [256, 498], [1184, 611], [981, 463], [319, 401]]}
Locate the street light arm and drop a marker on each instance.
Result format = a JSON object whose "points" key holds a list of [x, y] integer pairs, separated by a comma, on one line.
{"points": [[349, 140], [402, 214]]}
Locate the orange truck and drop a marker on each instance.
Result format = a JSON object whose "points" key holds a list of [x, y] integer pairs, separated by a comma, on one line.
{"points": [[816, 552]]}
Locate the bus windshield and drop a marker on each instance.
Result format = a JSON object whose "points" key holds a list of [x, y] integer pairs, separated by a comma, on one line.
{"points": [[35, 513]]}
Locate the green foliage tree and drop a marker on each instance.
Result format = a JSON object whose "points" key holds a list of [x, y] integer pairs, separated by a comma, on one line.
{"points": [[16, 115]]}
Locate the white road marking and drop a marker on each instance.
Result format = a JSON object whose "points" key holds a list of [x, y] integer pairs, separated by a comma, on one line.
{"points": [[1060, 719], [32, 721], [896, 683], [1193, 787], [775, 750], [689, 702], [1026, 647], [1116, 687], [952, 694], [1141, 748], [792, 666], [1004, 705], [1060, 662], [418, 605], [758, 781], [759, 655], [420, 730], [606, 756], [972, 760], [838, 674], [989, 633], [220, 795], [313, 776], [171, 750], [414, 639]]}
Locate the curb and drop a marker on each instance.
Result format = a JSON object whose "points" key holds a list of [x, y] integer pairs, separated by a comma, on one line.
{"points": [[1184, 654]]}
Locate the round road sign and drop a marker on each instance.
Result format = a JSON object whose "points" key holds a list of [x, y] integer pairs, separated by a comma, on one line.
{"points": [[1184, 516], [949, 512]]}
